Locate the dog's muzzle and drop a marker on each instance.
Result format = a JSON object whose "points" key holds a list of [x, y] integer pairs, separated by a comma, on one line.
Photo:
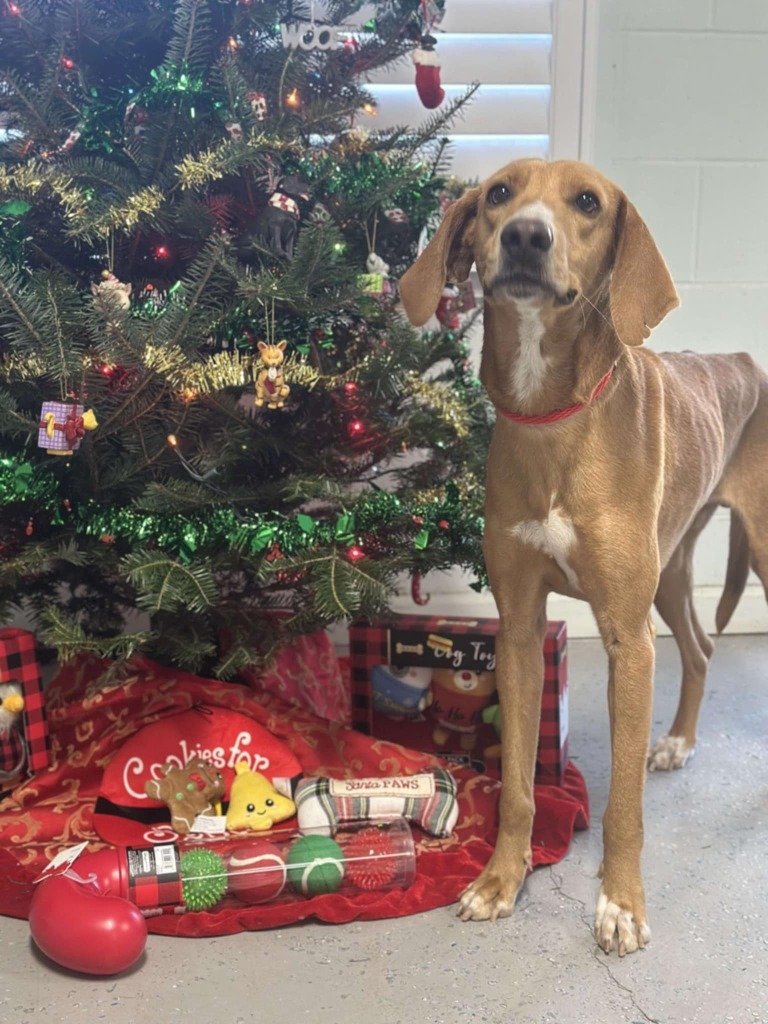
{"points": [[526, 245]]}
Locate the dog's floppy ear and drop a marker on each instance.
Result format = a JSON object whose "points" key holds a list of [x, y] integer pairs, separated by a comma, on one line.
{"points": [[449, 256], [642, 290]]}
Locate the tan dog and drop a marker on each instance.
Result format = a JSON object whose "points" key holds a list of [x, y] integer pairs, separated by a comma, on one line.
{"points": [[606, 462]]}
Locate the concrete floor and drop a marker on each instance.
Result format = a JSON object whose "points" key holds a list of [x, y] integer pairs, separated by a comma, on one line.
{"points": [[706, 883]]}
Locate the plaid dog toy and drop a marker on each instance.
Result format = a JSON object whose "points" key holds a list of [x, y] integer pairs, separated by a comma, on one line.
{"points": [[428, 799]]}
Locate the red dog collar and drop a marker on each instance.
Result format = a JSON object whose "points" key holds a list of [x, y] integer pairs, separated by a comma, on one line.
{"points": [[559, 414]]}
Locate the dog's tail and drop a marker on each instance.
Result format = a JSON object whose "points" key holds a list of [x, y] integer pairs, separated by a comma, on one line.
{"points": [[736, 574]]}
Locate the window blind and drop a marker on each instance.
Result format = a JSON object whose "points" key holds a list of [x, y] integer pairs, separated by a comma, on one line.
{"points": [[506, 45]]}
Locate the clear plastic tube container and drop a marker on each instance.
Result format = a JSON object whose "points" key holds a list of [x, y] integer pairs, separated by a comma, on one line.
{"points": [[215, 872]]}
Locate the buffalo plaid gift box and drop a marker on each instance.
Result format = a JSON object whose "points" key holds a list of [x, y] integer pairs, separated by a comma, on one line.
{"points": [[19, 664], [401, 666]]}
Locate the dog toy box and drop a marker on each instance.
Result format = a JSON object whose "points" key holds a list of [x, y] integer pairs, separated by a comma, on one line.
{"points": [[429, 683]]}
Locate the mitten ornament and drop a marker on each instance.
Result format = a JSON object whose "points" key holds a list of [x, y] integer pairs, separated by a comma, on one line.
{"points": [[428, 86]]}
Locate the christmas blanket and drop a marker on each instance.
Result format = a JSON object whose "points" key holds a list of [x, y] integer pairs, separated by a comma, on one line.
{"points": [[89, 724]]}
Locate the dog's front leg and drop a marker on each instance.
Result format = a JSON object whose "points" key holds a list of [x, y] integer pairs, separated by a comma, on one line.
{"points": [[620, 917], [519, 680]]}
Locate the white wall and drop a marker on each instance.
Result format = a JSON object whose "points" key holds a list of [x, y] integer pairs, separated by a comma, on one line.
{"points": [[680, 124]]}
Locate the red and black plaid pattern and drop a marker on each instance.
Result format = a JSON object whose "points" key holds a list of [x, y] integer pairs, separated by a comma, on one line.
{"points": [[154, 876], [371, 644], [19, 664], [13, 756]]}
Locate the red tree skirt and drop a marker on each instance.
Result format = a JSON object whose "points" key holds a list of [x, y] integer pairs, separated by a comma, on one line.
{"points": [[89, 725]]}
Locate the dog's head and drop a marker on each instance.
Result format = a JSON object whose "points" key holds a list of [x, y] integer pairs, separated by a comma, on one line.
{"points": [[548, 234]]}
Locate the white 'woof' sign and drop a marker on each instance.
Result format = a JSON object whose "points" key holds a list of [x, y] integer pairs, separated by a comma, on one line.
{"points": [[304, 35]]}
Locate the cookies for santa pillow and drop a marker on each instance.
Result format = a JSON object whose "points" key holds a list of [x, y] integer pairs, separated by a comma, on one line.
{"points": [[126, 816]]}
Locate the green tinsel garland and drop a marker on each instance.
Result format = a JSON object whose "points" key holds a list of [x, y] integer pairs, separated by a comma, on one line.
{"points": [[186, 535]]}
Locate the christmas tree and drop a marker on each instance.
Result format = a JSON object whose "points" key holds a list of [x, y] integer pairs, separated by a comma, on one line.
{"points": [[212, 410]]}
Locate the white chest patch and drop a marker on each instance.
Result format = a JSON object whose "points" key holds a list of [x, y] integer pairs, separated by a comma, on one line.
{"points": [[530, 367], [555, 536]]}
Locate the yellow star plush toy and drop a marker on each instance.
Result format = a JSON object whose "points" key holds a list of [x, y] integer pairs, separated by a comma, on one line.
{"points": [[254, 803]]}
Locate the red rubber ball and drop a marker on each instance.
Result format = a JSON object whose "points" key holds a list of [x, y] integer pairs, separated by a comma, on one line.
{"points": [[256, 871], [370, 859]]}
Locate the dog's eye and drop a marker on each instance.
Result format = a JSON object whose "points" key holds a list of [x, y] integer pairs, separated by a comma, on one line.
{"points": [[587, 202], [498, 194]]}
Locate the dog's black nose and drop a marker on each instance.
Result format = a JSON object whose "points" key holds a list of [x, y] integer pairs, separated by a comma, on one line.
{"points": [[525, 234]]}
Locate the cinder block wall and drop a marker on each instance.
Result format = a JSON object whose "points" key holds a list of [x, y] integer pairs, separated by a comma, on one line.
{"points": [[682, 124]]}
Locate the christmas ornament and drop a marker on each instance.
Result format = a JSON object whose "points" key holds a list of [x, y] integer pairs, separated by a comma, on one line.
{"points": [[278, 222], [258, 102], [375, 265], [416, 595], [376, 281], [270, 385], [234, 130], [431, 92], [396, 216], [111, 293], [137, 118], [320, 214], [63, 426], [306, 35], [151, 301], [70, 140]]}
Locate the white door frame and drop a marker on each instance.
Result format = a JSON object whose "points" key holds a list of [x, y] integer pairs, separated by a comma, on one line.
{"points": [[575, 26]]}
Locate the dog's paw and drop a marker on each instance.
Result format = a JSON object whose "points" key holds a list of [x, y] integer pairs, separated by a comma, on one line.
{"points": [[669, 752], [618, 928], [490, 897]]}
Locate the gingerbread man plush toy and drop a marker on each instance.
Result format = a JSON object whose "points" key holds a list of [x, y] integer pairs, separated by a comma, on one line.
{"points": [[195, 789]]}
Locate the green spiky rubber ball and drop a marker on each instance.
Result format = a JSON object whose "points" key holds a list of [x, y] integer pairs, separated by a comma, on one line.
{"points": [[203, 879]]}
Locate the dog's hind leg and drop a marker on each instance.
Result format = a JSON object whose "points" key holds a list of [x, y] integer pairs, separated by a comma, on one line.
{"points": [[674, 603], [745, 488]]}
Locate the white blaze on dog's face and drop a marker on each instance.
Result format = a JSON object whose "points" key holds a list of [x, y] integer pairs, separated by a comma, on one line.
{"points": [[544, 235]]}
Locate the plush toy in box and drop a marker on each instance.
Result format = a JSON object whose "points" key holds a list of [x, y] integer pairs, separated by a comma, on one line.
{"points": [[429, 683], [23, 725]]}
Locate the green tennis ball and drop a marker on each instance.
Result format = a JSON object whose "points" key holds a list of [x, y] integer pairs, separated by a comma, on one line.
{"points": [[315, 865], [203, 879]]}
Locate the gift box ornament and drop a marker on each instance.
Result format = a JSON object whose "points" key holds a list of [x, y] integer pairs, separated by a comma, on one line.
{"points": [[62, 427]]}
